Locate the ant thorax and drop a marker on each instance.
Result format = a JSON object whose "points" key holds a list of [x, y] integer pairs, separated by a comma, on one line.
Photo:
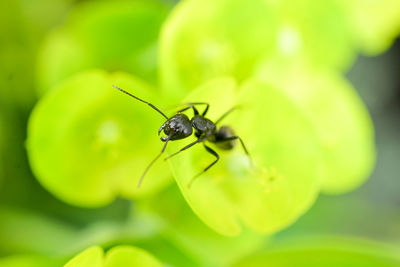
{"points": [[204, 128]]}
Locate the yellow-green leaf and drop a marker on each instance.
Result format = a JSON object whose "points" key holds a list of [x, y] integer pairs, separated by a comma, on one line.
{"points": [[89, 143], [341, 120], [283, 182]]}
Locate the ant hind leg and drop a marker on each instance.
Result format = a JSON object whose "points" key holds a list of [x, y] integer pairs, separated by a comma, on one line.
{"points": [[234, 138], [241, 142], [208, 167]]}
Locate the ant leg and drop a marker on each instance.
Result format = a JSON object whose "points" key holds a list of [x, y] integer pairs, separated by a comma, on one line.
{"points": [[224, 115], [151, 163], [201, 103], [234, 138], [241, 142], [208, 167], [195, 111], [182, 149], [162, 127], [192, 104]]}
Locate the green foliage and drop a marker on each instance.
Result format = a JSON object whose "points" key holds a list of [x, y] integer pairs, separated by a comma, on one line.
{"points": [[222, 38], [188, 233], [326, 252], [23, 24], [119, 256], [202, 40], [288, 120], [294, 40], [316, 32], [117, 35], [28, 232], [29, 261], [375, 23], [86, 140], [2, 138], [318, 257], [342, 123], [279, 63], [91, 257], [129, 256], [206, 39], [283, 182]]}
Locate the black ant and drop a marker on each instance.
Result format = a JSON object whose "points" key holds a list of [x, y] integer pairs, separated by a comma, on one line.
{"points": [[180, 126]]}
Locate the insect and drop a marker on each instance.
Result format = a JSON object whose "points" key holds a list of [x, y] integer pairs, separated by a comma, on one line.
{"points": [[180, 126]]}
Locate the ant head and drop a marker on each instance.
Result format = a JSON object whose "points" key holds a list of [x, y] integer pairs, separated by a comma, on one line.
{"points": [[177, 127]]}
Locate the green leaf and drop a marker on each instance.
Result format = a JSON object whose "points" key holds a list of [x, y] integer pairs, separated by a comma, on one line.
{"points": [[184, 229], [316, 32], [168, 252], [91, 257], [119, 256], [2, 140], [340, 252], [206, 201], [60, 56], [13, 166], [202, 40], [24, 23], [89, 143], [376, 24], [117, 35], [284, 181], [342, 122], [29, 261], [28, 232]]}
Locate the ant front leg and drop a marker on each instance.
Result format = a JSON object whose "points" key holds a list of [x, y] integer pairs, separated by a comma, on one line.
{"points": [[162, 127], [208, 167]]}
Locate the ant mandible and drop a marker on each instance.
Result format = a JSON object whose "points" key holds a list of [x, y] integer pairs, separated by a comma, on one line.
{"points": [[180, 126]]}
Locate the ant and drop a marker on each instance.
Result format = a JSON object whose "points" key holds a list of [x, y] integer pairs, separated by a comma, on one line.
{"points": [[180, 126]]}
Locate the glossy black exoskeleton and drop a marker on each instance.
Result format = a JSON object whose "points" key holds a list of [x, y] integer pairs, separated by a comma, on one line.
{"points": [[180, 126]]}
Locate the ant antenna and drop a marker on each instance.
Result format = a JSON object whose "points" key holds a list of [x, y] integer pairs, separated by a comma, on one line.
{"points": [[151, 163], [151, 105]]}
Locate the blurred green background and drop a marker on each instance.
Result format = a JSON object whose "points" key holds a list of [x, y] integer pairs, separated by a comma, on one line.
{"points": [[320, 88]]}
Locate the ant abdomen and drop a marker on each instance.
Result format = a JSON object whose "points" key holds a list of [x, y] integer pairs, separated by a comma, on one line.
{"points": [[223, 138]]}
